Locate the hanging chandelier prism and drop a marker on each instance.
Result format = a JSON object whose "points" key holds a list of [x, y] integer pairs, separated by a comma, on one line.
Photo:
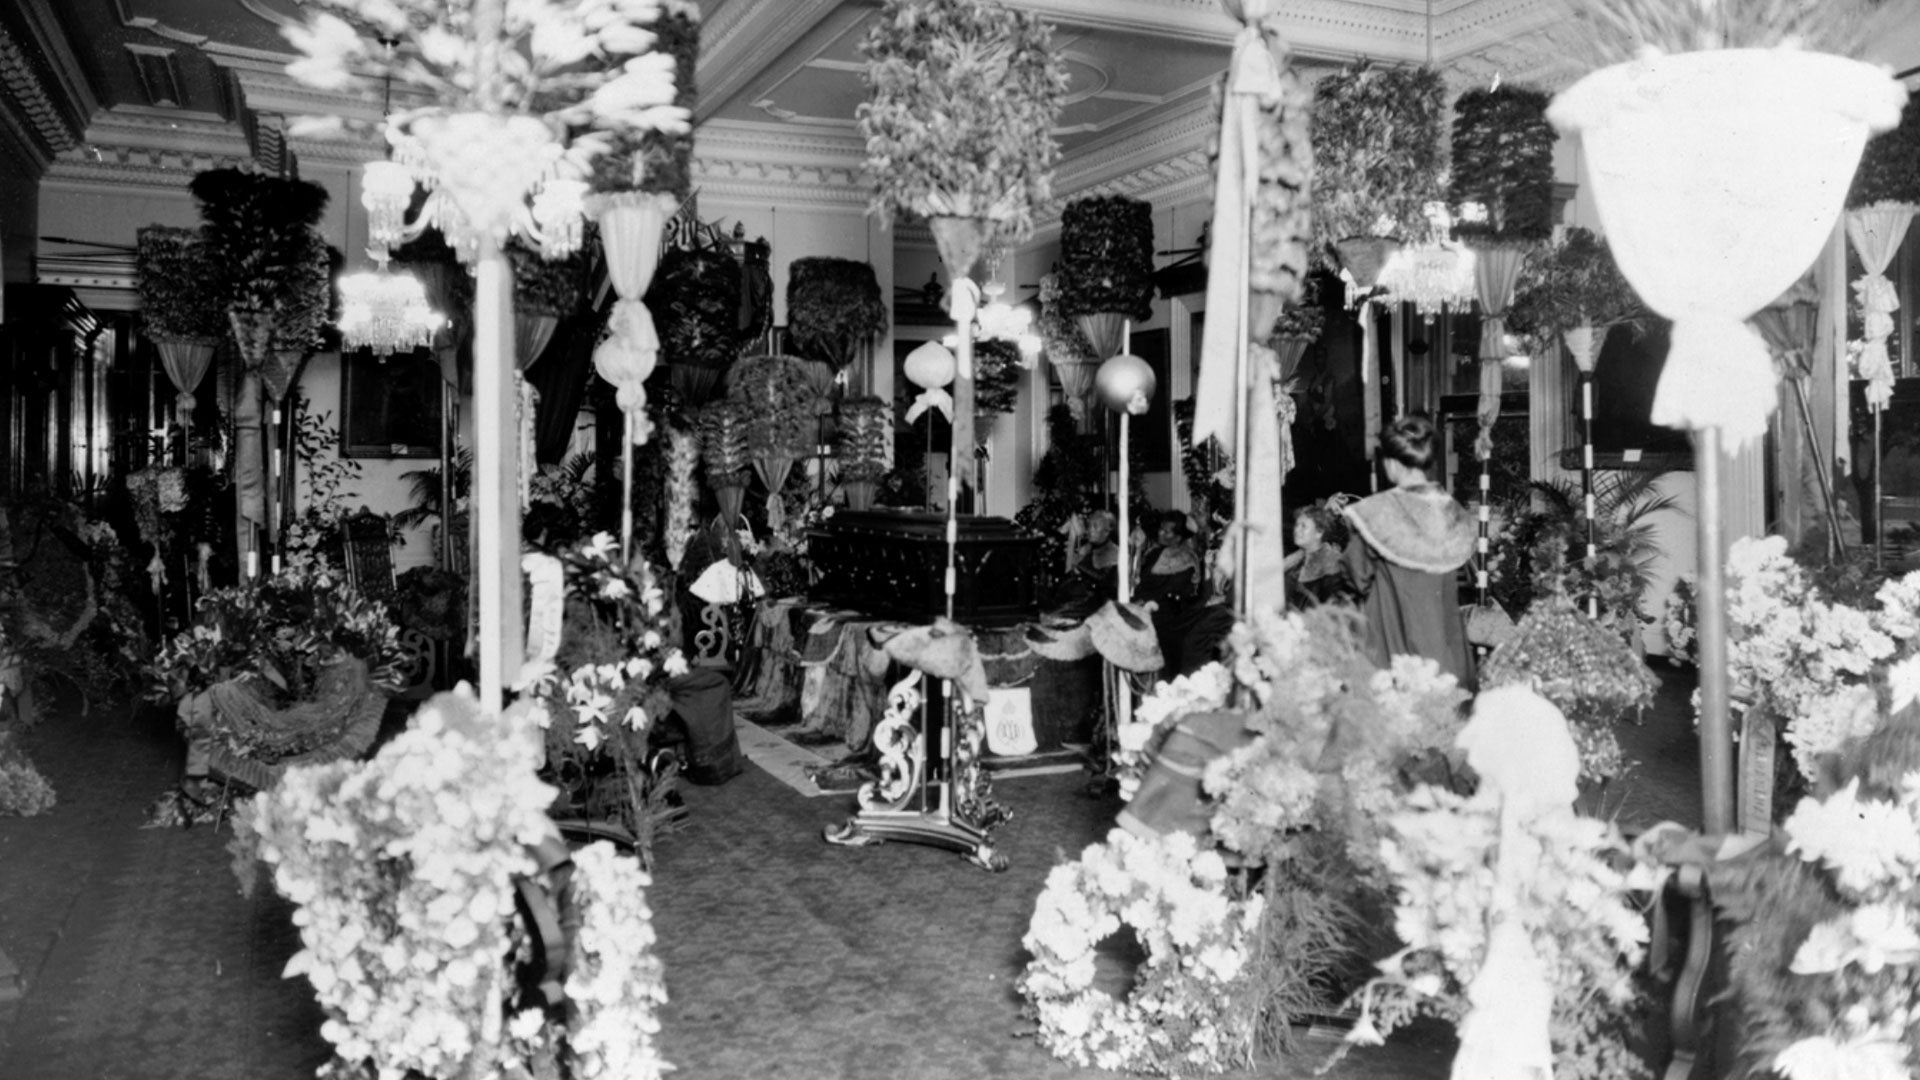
{"points": [[386, 312]]}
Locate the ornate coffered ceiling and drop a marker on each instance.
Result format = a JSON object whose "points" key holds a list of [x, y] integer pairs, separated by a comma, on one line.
{"points": [[146, 92]]}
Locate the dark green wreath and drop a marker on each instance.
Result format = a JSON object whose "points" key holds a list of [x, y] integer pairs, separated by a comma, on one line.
{"points": [[1106, 257], [1376, 151], [664, 161], [695, 301], [833, 305], [1503, 159], [1890, 167]]}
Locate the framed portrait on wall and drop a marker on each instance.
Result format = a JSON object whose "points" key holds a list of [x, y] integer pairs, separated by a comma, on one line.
{"points": [[390, 406]]}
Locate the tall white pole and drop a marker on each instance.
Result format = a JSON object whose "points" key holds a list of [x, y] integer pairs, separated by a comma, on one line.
{"points": [[496, 489]]}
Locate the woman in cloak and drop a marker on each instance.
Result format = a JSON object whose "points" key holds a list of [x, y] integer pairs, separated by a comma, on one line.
{"points": [[1409, 543]]}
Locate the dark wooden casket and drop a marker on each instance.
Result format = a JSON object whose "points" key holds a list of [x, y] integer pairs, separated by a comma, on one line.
{"points": [[893, 563]]}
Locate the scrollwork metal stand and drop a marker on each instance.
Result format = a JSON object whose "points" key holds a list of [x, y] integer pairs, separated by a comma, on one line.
{"points": [[945, 802]]}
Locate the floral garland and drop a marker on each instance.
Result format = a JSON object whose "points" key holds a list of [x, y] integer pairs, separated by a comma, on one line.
{"points": [[1587, 671], [1503, 160], [1825, 949], [1106, 257], [683, 463], [1377, 153], [403, 870], [1183, 1013], [1282, 203], [659, 159], [960, 120], [1440, 849], [615, 986], [1803, 656], [833, 306], [170, 268]]}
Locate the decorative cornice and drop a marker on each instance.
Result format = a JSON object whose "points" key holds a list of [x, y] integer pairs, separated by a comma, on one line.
{"points": [[1190, 124], [116, 169], [31, 103]]}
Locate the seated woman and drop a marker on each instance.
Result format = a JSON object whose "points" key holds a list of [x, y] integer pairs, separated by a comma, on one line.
{"points": [[1168, 573], [1315, 571], [1168, 585], [1093, 559], [1409, 544]]}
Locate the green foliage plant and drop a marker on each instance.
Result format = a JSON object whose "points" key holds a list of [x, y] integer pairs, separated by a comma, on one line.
{"points": [[1377, 152], [1503, 160], [1573, 283], [865, 438], [960, 117], [257, 230], [171, 271]]}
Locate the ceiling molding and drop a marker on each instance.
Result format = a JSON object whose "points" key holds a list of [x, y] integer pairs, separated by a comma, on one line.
{"points": [[118, 169], [780, 164], [1109, 162], [31, 103], [738, 44], [49, 41]]}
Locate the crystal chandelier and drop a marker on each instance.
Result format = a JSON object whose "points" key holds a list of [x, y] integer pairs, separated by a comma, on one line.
{"points": [[384, 311]]}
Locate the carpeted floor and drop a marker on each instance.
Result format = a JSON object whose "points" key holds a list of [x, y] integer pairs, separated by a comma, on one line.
{"points": [[785, 957]]}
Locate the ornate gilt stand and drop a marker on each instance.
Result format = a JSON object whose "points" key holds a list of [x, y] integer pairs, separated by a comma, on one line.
{"points": [[944, 802]]}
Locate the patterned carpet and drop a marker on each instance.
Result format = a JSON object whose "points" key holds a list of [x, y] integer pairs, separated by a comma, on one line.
{"points": [[785, 957]]}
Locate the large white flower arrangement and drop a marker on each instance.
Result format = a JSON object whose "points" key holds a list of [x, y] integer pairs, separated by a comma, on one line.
{"points": [[1807, 658], [1440, 850], [1825, 942], [1201, 691], [403, 871], [1181, 1015]]}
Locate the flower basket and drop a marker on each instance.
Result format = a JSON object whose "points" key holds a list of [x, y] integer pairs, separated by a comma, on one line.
{"points": [[1740, 156], [238, 726], [1363, 257], [960, 120], [1377, 155]]}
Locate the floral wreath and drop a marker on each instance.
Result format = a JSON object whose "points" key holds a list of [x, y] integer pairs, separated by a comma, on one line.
{"points": [[1184, 1011]]}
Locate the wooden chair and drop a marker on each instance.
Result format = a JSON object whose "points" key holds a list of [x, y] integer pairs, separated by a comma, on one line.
{"points": [[368, 548]]}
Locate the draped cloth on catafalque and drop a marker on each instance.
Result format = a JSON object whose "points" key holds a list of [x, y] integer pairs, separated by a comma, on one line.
{"points": [[1408, 544]]}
